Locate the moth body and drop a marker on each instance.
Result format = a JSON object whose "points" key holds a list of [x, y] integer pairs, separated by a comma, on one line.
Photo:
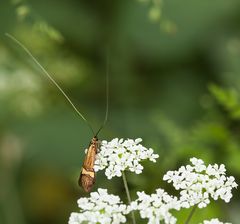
{"points": [[87, 175]]}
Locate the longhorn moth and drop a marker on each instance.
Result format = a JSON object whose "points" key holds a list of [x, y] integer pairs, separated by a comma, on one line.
{"points": [[87, 174]]}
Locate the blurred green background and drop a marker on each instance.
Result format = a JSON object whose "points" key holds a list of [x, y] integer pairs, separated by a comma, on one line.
{"points": [[174, 81]]}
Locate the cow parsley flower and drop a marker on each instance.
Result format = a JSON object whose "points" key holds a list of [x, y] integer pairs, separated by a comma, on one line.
{"points": [[214, 221], [156, 207], [119, 155], [100, 207], [199, 183]]}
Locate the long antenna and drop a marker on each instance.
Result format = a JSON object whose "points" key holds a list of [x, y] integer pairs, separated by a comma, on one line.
{"points": [[107, 96], [50, 77]]}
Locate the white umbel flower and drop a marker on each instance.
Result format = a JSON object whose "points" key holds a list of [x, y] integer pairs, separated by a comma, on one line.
{"points": [[214, 221], [100, 207], [156, 207], [199, 183], [119, 155]]}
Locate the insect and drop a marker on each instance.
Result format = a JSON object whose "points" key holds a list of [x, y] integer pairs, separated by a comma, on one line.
{"points": [[87, 174]]}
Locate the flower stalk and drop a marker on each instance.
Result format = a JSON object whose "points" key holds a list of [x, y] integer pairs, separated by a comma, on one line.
{"points": [[128, 195], [191, 214]]}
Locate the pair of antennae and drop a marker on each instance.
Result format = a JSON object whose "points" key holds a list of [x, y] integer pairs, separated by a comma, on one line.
{"points": [[61, 90]]}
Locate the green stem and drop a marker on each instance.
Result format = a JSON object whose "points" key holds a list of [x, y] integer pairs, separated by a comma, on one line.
{"points": [[128, 195], [191, 214]]}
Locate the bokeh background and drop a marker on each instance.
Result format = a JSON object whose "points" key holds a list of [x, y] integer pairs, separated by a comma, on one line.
{"points": [[174, 82]]}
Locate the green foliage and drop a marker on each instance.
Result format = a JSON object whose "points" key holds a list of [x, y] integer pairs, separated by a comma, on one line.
{"points": [[229, 99], [25, 14], [156, 15]]}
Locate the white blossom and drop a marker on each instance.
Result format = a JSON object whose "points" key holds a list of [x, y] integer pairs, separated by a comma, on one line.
{"points": [[100, 207], [199, 183], [214, 221], [156, 207], [119, 155]]}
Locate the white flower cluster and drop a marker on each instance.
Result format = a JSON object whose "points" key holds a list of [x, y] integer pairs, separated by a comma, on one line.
{"points": [[214, 221], [100, 207], [156, 207], [198, 182], [119, 155]]}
